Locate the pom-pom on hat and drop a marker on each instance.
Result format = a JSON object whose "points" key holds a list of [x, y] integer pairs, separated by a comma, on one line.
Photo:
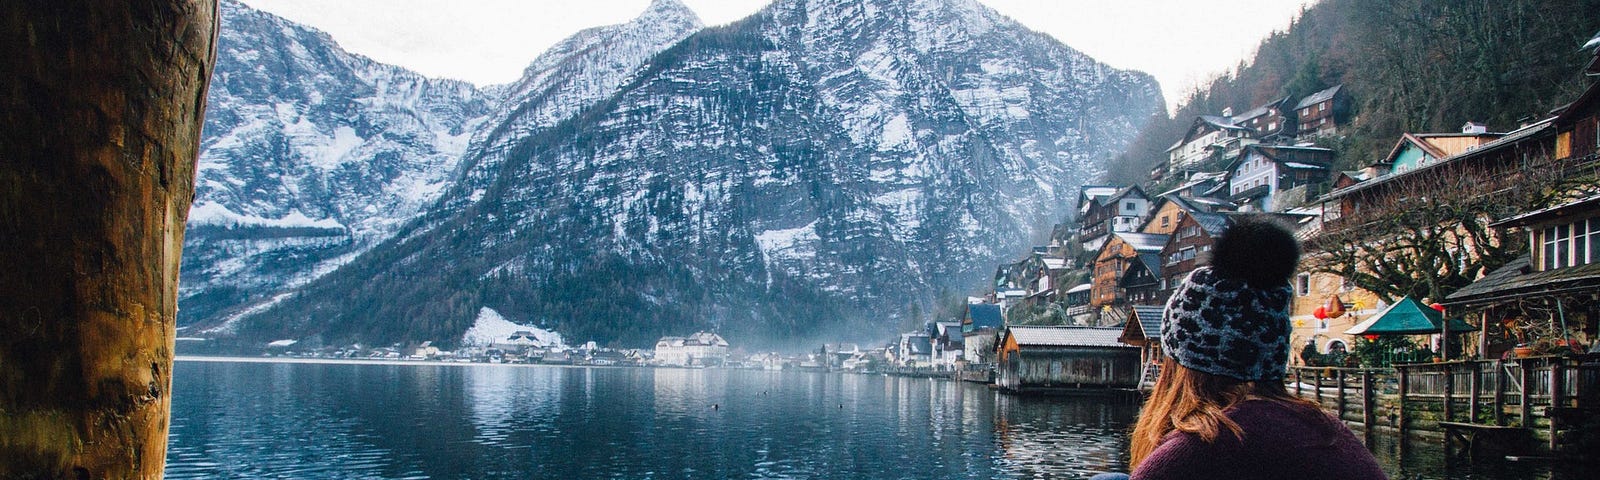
{"points": [[1231, 318]]}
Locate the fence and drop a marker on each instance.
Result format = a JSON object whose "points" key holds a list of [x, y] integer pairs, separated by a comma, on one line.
{"points": [[1534, 393]]}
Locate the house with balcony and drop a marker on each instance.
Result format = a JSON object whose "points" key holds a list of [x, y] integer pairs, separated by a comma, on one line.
{"points": [[1322, 114], [1272, 178], [1209, 137], [1101, 216], [1113, 260]]}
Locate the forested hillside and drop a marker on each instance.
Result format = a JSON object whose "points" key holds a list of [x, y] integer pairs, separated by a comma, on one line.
{"points": [[1410, 65]]}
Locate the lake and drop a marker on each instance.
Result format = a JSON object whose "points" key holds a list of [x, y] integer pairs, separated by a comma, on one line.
{"points": [[319, 420]]}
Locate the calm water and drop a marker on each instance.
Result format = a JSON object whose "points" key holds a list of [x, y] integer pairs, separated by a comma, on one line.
{"points": [[279, 420]]}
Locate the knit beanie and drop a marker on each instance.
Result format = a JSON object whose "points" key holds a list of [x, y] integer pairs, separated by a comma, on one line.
{"points": [[1231, 318]]}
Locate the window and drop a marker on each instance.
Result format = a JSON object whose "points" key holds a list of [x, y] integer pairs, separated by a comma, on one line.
{"points": [[1302, 285], [1571, 245], [1128, 206], [1165, 221], [1187, 253], [1322, 107]]}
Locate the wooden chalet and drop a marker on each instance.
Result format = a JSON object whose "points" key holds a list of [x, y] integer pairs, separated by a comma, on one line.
{"points": [[1188, 248], [1553, 285], [1143, 330], [1416, 150], [1102, 215], [1322, 113], [1208, 137], [1267, 122], [1259, 177], [1042, 359], [1141, 282], [1113, 260]]}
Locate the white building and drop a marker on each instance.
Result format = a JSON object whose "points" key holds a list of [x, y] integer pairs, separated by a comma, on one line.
{"points": [[702, 348]]}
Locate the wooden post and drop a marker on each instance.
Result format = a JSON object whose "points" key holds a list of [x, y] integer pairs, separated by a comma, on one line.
{"points": [[1317, 386], [1368, 416], [1339, 379], [1297, 382], [1449, 392], [1400, 414], [1557, 371], [1500, 380], [101, 108], [1525, 408], [1476, 391]]}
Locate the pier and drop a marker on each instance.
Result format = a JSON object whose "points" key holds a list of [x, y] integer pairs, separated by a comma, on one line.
{"points": [[1533, 405]]}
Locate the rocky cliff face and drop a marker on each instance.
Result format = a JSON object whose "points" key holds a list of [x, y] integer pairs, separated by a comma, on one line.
{"points": [[813, 170], [310, 156]]}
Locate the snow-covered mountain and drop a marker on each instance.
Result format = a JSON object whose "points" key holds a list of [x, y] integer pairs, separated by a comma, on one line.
{"points": [[310, 155], [818, 169]]}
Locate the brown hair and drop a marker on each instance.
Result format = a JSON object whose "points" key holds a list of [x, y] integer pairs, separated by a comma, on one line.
{"points": [[1196, 402]]}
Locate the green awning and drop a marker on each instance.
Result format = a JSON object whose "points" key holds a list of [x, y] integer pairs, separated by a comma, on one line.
{"points": [[1407, 317]]}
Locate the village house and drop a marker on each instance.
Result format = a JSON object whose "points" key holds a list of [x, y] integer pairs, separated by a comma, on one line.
{"points": [[1342, 306], [914, 350], [1034, 359], [1076, 300], [1422, 149], [1187, 248], [1262, 178], [1141, 282], [979, 329], [1321, 114], [1113, 260], [1202, 186], [700, 349], [1208, 137], [1102, 216], [1267, 122], [948, 346], [1143, 331]]}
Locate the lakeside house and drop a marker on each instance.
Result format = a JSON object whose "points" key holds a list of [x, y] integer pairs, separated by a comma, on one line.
{"points": [[1143, 331], [1033, 359], [700, 349]]}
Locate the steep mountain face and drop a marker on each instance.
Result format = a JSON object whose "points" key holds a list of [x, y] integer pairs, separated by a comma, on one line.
{"points": [[812, 171], [310, 156]]}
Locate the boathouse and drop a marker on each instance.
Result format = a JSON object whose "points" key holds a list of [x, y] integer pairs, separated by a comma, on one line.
{"points": [[1042, 359]]}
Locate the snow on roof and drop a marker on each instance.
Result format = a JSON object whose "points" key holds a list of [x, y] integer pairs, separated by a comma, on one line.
{"points": [[1304, 166], [282, 343], [1067, 337], [1080, 288], [1055, 262], [1144, 241], [1592, 43], [1318, 97]]}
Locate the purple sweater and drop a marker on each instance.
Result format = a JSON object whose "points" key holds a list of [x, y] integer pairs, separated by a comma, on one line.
{"points": [[1278, 443]]}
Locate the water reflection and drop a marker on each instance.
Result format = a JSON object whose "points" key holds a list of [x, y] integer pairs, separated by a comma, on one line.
{"points": [[253, 420]]}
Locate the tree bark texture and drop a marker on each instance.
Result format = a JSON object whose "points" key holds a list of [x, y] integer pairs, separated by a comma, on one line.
{"points": [[101, 103]]}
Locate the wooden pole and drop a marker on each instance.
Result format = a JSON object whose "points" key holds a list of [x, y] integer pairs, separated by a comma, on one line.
{"points": [[101, 106], [1317, 386], [1400, 414], [1339, 379], [1476, 390], [1368, 417], [1449, 391], [1525, 405], [1557, 371], [1500, 380], [1297, 383]]}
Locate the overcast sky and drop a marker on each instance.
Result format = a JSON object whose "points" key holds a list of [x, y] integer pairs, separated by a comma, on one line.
{"points": [[1180, 42]]}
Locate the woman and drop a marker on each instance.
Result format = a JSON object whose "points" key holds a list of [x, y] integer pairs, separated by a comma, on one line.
{"points": [[1220, 409]]}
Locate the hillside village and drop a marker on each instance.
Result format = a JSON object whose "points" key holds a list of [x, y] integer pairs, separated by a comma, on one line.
{"points": [[1495, 226]]}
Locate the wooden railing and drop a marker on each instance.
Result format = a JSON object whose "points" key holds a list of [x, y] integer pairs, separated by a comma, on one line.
{"points": [[1525, 392]]}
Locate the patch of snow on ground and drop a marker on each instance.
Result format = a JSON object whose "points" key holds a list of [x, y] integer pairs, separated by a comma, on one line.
{"points": [[790, 242], [490, 327]]}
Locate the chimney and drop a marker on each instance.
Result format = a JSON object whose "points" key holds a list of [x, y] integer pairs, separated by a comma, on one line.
{"points": [[1474, 128]]}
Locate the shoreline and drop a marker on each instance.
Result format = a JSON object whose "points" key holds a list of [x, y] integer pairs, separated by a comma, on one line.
{"points": [[358, 361]]}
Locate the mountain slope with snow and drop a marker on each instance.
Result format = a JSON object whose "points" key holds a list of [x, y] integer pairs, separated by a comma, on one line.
{"points": [[812, 171]]}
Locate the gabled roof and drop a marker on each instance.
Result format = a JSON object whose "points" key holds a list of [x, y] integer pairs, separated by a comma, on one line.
{"points": [[1278, 154], [1517, 279], [982, 315], [1066, 336], [1318, 97], [1150, 262], [1145, 324], [1212, 223], [1259, 111], [1593, 44], [1143, 242]]}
